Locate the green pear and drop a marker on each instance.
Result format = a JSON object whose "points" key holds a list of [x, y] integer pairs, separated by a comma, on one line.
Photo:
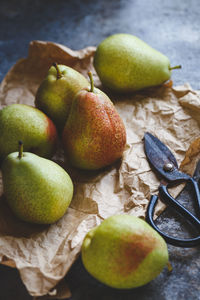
{"points": [[124, 64], [37, 189], [124, 252], [94, 135], [23, 122], [55, 94]]}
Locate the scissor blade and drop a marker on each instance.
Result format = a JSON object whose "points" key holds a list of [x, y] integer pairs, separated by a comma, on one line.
{"points": [[196, 174], [159, 155]]}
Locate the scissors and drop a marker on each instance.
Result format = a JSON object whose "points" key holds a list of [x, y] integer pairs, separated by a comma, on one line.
{"points": [[163, 161]]}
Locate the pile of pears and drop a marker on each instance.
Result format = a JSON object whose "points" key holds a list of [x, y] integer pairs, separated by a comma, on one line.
{"points": [[93, 135], [123, 252]]}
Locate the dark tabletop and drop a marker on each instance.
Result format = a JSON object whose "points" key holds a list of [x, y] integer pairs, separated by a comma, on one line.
{"points": [[173, 27]]}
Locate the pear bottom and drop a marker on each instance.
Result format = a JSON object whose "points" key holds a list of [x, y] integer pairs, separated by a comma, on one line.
{"points": [[124, 252]]}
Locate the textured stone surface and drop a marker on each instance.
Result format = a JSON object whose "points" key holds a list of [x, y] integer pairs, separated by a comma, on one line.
{"points": [[169, 26]]}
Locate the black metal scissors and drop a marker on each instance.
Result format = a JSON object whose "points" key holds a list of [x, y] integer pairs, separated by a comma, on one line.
{"points": [[164, 162]]}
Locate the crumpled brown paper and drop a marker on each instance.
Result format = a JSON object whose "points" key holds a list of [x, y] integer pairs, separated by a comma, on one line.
{"points": [[44, 254]]}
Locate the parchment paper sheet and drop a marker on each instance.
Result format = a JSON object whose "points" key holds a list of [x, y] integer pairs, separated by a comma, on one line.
{"points": [[44, 254]]}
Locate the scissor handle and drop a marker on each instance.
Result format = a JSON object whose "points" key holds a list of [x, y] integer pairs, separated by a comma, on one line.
{"points": [[186, 243], [197, 194], [168, 199]]}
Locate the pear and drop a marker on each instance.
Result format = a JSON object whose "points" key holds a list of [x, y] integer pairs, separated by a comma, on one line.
{"points": [[94, 135], [124, 252], [36, 189], [124, 64], [55, 94], [20, 121]]}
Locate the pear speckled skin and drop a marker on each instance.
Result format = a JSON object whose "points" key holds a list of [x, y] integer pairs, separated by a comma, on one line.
{"points": [[36, 189], [94, 135], [124, 64], [124, 252], [54, 95], [30, 125]]}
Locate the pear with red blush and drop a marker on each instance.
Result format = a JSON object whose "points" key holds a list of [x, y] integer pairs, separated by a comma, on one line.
{"points": [[124, 252], [27, 123], [94, 135]]}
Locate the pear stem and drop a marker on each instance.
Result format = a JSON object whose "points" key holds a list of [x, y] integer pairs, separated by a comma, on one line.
{"points": [[175, 67], [20, 149], [91, 82], [59, 74], [169, 266]]}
